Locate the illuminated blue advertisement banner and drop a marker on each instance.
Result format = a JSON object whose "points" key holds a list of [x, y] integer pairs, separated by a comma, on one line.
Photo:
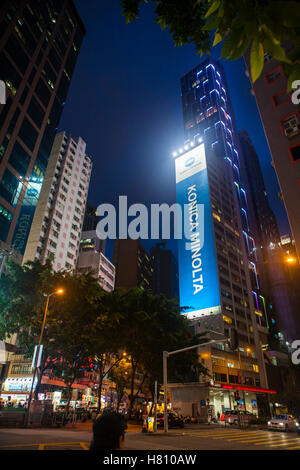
{"points": [[198, 274]]}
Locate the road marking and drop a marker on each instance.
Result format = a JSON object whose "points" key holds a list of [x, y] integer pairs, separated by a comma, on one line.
{"points": [[66, 443], [235, 433], [290, 441], [18, 445], [249, 437], [265, 439], [84, 445], [239, 436], [272, 440]]}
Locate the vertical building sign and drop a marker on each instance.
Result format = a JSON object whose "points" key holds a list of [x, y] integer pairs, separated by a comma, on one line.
{"points": [[198, 275]]}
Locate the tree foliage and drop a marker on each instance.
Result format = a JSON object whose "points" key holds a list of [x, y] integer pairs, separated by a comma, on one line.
{"points": [[88, 328], [148, 325], [261, 25], [71, 319]]}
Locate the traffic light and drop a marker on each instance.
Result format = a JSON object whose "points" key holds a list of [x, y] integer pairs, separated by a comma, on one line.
{"points": [[233, 339]]}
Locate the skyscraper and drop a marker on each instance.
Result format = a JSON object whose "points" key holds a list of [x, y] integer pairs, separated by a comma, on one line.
{"points": [[165, 271], [266, 221], [274, 272], [280, 118], [57, 224], [39, 45], [90, 218], [218, 279], [133, 264]]}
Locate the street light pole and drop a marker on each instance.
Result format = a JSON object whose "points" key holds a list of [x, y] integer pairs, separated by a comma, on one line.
{"points": [[165, 379], [155, 406], [167, 354], [35, 364]]}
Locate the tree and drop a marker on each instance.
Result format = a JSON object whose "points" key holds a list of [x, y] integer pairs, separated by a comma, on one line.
{"points": [[22, 304], [121, 376], [68, 336], [148, 325], [105, 339], [261, 25], [77, 318]]}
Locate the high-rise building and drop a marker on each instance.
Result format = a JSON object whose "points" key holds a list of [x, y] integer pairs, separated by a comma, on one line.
{"points": [[280, 118], [39, 45], [276, 275], [57, 224], [165, 271], [133, 264], [284, 276], [218, 279], [92, 258], [263, 215], [90, 218]]}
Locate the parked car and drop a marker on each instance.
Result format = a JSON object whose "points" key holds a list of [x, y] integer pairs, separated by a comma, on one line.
{"points": [[283, 422], [174, 421], [234, 416]]}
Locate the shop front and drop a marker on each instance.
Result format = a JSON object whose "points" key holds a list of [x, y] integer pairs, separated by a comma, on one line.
{"points": [[205, 402], [221, 400], [15, 391]]}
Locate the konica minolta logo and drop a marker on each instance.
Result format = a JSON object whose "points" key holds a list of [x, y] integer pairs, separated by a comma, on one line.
{"points": [[189, 162], [2, 92]]}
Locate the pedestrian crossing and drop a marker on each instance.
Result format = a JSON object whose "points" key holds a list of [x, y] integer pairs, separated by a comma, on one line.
{"points": [[269, 439]]}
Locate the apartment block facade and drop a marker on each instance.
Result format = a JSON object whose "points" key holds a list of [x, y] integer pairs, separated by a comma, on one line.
{"points": [[57, 224], [281, 121], [92, 258]]}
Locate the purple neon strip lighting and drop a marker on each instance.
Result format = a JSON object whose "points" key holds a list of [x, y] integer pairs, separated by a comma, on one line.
{"points": [[254, 267]]}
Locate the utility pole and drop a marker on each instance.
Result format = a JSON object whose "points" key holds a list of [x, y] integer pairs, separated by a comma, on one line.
{"points": [[167, 354], [155, 406]]}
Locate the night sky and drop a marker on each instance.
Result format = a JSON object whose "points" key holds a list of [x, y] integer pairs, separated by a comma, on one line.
{"points": [[125, 102]]}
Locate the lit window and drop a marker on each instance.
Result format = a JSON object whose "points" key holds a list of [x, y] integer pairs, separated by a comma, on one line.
{"points": [[290, 126]]}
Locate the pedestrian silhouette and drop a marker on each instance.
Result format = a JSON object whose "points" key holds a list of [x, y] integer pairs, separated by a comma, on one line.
{"points": [[109, 432]]}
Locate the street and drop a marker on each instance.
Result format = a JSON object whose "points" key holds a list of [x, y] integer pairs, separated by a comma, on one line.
{"points": [[193, 437]]}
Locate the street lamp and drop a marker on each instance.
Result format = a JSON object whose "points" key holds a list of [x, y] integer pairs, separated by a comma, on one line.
{"points": [[59, 291]]}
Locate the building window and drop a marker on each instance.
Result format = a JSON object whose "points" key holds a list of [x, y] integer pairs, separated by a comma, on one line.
{"points": [[290, 125], [189, 124], [274, 75], [10, 188], [280, 98], [19, 369], [295, 153], [267, 57], [28, 134]]}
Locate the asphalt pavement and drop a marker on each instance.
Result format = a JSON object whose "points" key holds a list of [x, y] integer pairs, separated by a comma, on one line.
{"points": [[192, 437]]}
